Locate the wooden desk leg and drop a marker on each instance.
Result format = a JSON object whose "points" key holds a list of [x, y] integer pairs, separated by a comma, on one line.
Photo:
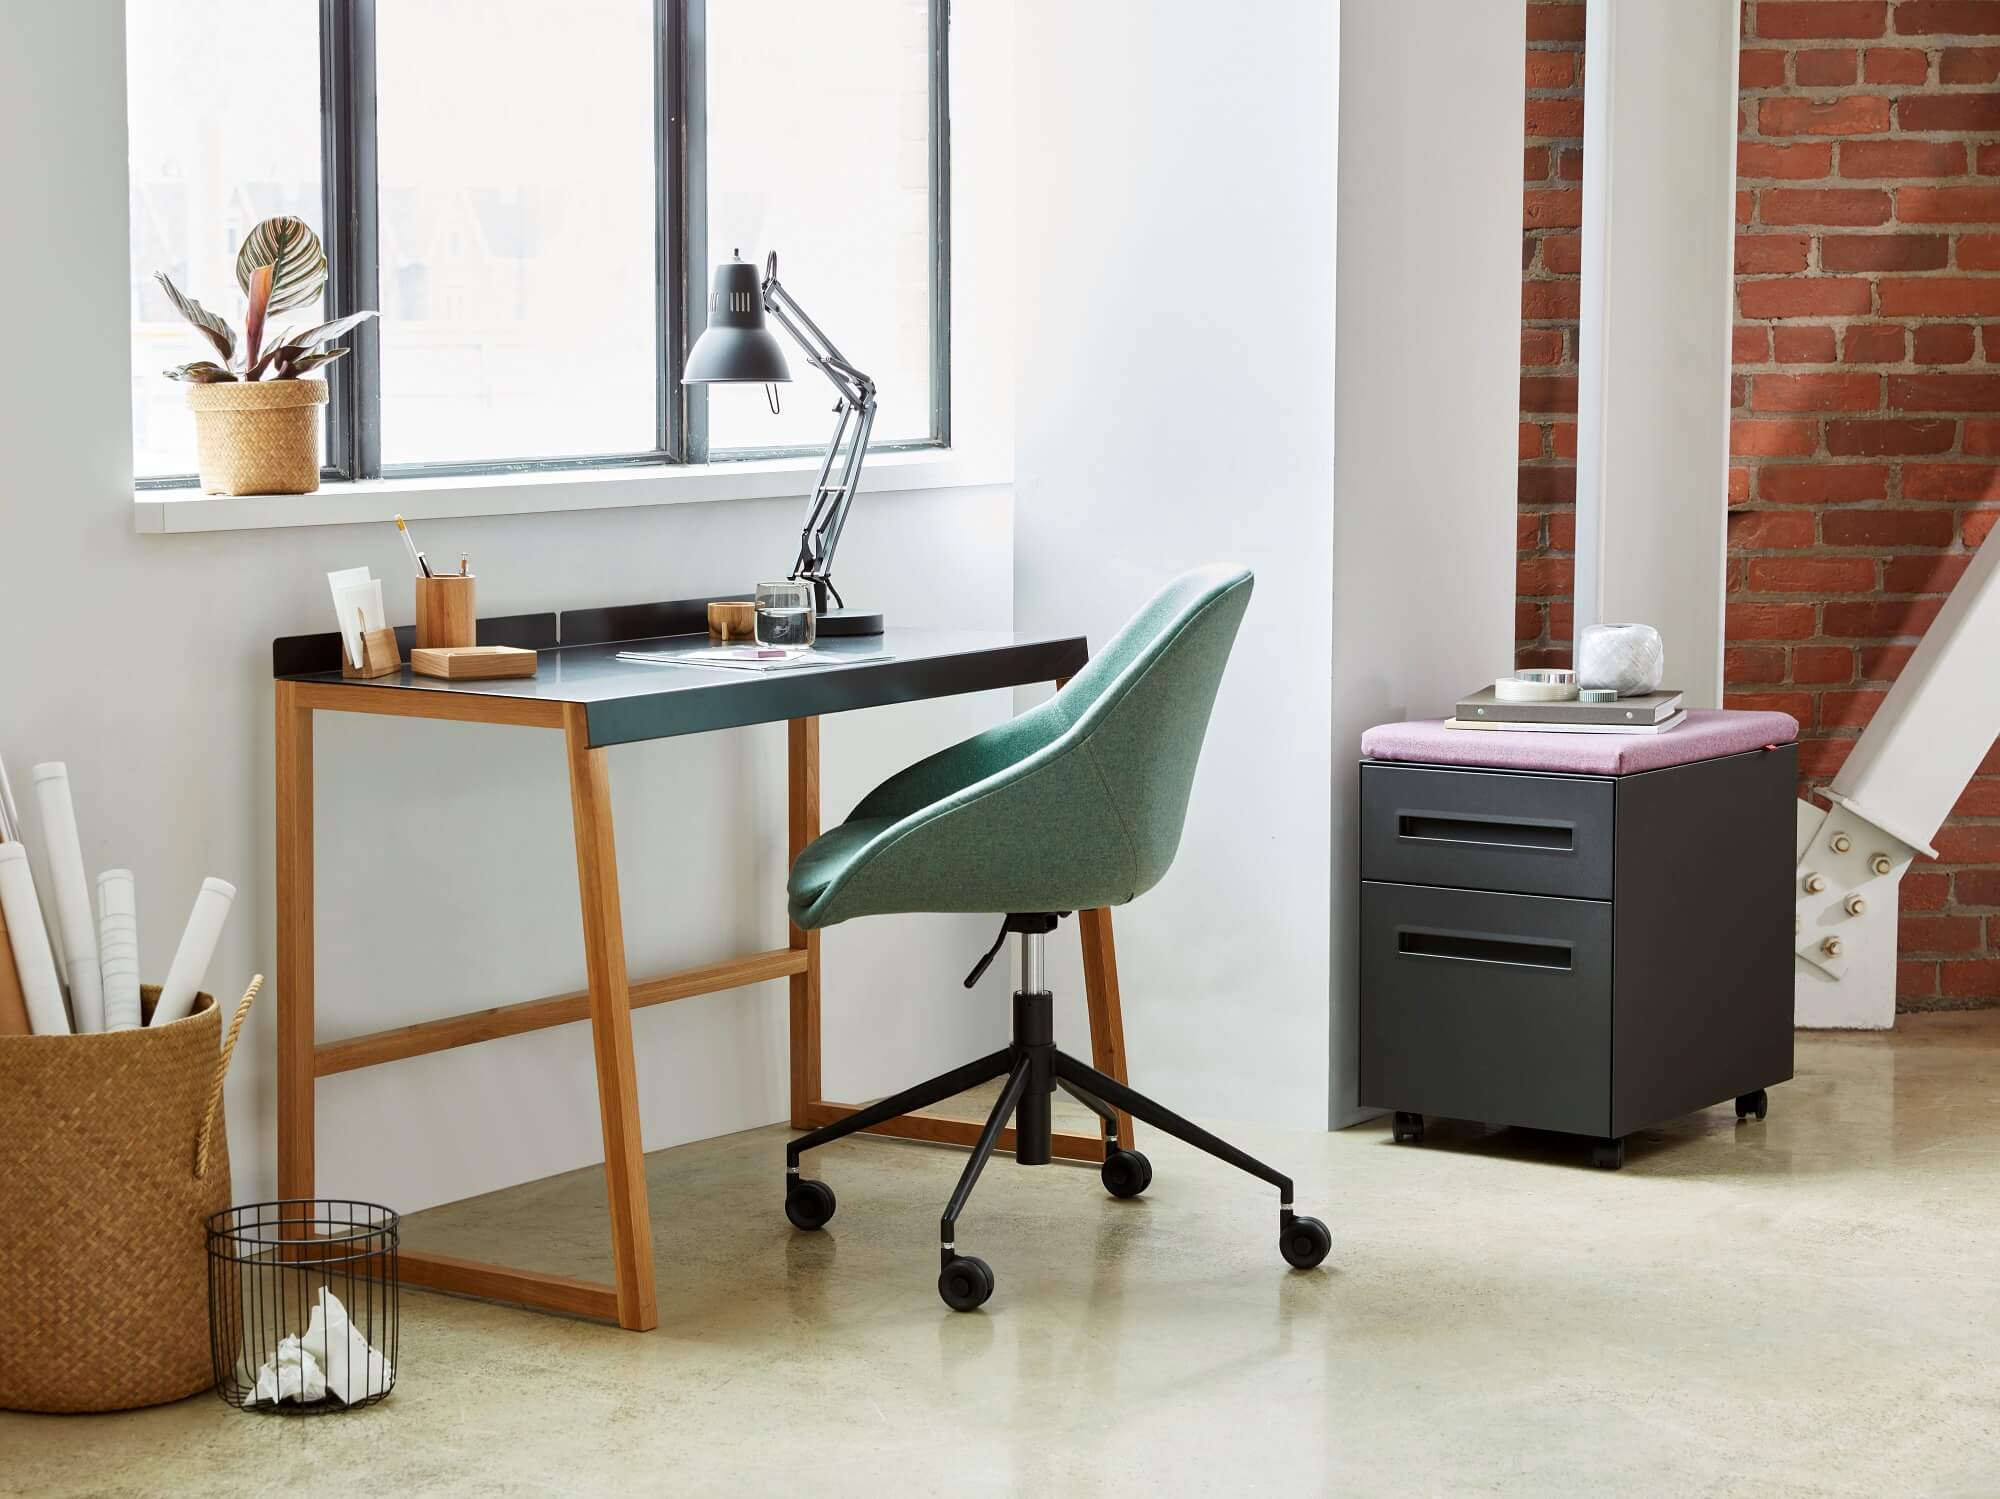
{"points": [[803, 754], [611, 1025], [295, 944], [1107, 1020]]}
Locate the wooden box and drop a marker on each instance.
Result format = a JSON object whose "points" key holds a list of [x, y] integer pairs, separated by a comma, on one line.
{"points": [[473, 663]]}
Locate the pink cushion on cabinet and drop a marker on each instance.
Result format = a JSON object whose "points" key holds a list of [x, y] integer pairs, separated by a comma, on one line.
{"points": [[1708, 734]]}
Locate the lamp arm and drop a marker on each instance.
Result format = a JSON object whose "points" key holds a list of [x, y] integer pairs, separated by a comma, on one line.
{"points": [[854, 387], [855, 420]]}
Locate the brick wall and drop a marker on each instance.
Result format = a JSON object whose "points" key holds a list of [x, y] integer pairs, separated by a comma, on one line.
{"points": [[1866, 438]]}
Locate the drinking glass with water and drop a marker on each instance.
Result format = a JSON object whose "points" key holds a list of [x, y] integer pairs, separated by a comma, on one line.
{"points": [[785, 614]]}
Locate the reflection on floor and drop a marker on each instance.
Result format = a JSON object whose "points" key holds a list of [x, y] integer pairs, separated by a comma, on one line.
{"points": [[1806, 1305]]}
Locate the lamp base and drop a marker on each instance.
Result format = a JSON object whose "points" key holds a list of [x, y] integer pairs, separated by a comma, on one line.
{"points": [[842, 623]]}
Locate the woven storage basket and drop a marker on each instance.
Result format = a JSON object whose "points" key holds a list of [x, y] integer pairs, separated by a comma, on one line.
{"points": [[112, 1154], [258, 436]]}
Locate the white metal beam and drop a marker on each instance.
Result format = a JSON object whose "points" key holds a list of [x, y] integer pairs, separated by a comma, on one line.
{"points": [[1659, 211]]}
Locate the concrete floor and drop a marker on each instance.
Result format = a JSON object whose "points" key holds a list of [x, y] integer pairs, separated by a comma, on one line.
{"points": [[1804, 1306]]}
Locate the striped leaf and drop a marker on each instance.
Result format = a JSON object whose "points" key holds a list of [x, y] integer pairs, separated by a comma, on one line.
{"points": [[253, 320], [327, 332], [317, 360], [211, 327], [290, 351], [292, 250], [273, 347], [200, 372]]}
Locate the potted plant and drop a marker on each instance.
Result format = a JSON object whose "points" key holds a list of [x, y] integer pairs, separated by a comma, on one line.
{"points": [[255, 415]]}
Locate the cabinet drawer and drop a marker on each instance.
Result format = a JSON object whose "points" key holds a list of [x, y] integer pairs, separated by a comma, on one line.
{"points": [[1483, 1006], [1486, 830]]}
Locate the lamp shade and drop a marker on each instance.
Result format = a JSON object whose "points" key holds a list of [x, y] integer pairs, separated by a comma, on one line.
{"points": [[736, 347]]}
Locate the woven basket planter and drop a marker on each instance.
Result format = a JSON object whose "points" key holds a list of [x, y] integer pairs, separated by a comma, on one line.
{"points": [[115, 1156], [258, 436]]}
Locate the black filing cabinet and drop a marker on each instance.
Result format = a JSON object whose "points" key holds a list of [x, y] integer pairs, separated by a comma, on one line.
{"points": [[1591, 954]]}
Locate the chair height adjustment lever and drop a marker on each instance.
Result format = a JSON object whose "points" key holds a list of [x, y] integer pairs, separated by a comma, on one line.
{"points": [[1015, 921], [979, 968]]}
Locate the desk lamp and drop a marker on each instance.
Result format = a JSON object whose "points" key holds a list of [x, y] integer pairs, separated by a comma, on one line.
{"points": [[736, 348]]}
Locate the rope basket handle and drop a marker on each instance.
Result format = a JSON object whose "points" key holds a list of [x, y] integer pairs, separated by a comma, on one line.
{"points": [[222, 1071]]}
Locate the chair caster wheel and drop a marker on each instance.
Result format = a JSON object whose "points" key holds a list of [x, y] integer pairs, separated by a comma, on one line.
{"points": [[1757, 1103], [809, 1204], [965, 1283], [1304, 1242], [1126, 1173], [1408, 1127], [1608, 1155]]}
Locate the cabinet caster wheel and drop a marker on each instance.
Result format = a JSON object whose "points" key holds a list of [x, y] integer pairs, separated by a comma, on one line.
{"points": [[1304, 1242], [1608, 1155], [1757, 1103], [965, 1283], [809, 1204], [1408, 1127], [1126, 1173]]}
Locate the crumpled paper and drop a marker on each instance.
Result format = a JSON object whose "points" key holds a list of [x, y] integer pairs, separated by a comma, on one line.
{"points": [[331, 1358], [354, 1370], [289, 1374]]}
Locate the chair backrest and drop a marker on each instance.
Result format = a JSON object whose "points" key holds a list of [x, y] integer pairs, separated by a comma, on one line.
{"points": [[1143, 703]]}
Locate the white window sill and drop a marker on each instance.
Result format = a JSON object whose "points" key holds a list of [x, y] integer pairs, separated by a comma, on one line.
{"points": [[164, 511]]}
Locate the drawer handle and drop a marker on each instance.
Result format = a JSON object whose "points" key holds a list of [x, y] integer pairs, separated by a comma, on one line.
{"points": [[1472, 947], [1497, 831]]}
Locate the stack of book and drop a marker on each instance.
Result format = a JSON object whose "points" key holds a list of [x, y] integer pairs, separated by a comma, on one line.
{"points": [[1651, 713]]}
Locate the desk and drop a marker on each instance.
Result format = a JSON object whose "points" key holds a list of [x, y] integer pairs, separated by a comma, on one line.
{"points": [[595, 701]]}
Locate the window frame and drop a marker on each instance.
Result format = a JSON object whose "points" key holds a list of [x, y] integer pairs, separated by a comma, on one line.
{"points": [[680, 191]]}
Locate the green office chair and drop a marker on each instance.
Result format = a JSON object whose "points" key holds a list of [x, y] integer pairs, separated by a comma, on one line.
{"points": [[1077, 803]]}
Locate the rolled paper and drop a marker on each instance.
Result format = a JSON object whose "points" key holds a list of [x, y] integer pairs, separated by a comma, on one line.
{"points": [[118, 949], [78, 933], [190, 965], [30, 941], [10, 820], [13, 1006]]}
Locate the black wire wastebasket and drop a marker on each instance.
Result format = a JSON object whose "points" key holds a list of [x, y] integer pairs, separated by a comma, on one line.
{"points": [[302, 1305]]}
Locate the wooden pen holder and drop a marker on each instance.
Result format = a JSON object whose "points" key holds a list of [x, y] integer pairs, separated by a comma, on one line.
{"points": [[732, 619], [445, 615], [380, 655]]}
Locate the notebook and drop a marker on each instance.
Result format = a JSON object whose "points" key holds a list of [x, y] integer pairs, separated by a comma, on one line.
{"points": [[1649, 708], [1492, 725]]}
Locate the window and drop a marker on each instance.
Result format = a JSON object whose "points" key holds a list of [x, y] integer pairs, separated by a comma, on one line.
{"points": [[793, 164], [197, 185], [533, 194]]}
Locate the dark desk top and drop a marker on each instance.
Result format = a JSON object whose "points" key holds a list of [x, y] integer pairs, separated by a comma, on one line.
{"points": [[627, 701]]}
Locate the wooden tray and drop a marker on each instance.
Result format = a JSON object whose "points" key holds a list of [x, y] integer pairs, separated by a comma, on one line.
{"points": [[467, 663]]}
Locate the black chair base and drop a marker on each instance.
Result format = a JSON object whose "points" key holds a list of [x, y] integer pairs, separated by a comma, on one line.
{"points": [[1034, 1069]]}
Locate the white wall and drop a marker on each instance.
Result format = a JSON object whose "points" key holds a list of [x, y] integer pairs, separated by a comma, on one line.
{"points": [[1426, 396], [1653, 349], [446, 870], [1176, 407]]}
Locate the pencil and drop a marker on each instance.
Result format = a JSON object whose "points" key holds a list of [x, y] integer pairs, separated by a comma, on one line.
{"points": [[416, 557]]}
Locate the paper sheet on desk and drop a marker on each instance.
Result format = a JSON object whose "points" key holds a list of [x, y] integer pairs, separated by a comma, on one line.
{"points": [[357, 606], [745, 658]]}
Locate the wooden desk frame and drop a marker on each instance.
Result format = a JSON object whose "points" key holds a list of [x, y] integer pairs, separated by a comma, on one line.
{"points": [[607, 1003]]}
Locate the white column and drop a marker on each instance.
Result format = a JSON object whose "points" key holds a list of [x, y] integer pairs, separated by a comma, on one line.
{"points": [[1426, 398], [1659, 226], [1174, 407]]}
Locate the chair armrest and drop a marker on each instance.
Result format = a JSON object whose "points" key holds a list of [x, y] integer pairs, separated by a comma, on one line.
{"points": [[964, 764]]}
